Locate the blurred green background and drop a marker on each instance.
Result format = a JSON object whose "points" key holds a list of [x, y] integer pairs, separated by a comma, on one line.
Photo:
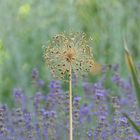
{"points": [[25, 25]]}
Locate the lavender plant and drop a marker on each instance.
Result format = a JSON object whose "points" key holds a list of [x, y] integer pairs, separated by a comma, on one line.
{"points": [[48, 119]]}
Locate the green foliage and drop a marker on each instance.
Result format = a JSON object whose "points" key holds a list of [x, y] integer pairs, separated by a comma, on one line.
{"points": [[136, 127], [26, 25], [3, 53], [134, 74], [136, 84]]}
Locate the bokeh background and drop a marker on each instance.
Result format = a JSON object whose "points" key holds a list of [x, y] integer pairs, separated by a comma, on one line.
{"points": [[26, 25]]}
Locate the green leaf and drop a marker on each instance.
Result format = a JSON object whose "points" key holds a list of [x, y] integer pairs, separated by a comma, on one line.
{"points": [[134, 74], [135, 126]]}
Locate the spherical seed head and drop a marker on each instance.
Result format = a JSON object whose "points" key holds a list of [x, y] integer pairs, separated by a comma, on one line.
{"points": [[65, 50]]}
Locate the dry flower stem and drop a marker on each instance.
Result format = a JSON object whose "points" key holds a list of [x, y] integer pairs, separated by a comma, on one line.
{"points": [[70, 103], [67, 54]]}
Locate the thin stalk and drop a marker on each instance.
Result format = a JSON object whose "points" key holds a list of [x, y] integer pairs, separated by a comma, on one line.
{"points": [[70, 104]]}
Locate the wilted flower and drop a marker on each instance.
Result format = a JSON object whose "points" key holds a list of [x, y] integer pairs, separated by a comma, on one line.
{"points": [[65, 51]]}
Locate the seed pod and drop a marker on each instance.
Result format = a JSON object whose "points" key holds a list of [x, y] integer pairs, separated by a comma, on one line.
{"points": [[65, 50]]}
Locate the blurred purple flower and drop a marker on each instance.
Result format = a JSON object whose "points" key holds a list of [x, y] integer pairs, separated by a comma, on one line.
{"points": [[18, 94], [99, 115], [55, 87], [85, 113], [88, 89], [35, 74], [40, 83], [76, 100]]}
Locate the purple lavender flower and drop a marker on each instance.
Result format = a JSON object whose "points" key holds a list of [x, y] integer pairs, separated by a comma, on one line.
{"points": [[85, 113], [18, 94], [55, 86], [19, 97], [89, 134], [40, 83], [76, 100], [47, 118], [125, 85], [38, 98], [35, 74], [88, 89]]}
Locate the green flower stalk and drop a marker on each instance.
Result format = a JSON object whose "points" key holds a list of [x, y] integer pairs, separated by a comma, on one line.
{"points": [[68, 54]]}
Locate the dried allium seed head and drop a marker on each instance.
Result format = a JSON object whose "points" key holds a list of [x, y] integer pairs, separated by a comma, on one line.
{"points": [[64, 51], [96, 68]]}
